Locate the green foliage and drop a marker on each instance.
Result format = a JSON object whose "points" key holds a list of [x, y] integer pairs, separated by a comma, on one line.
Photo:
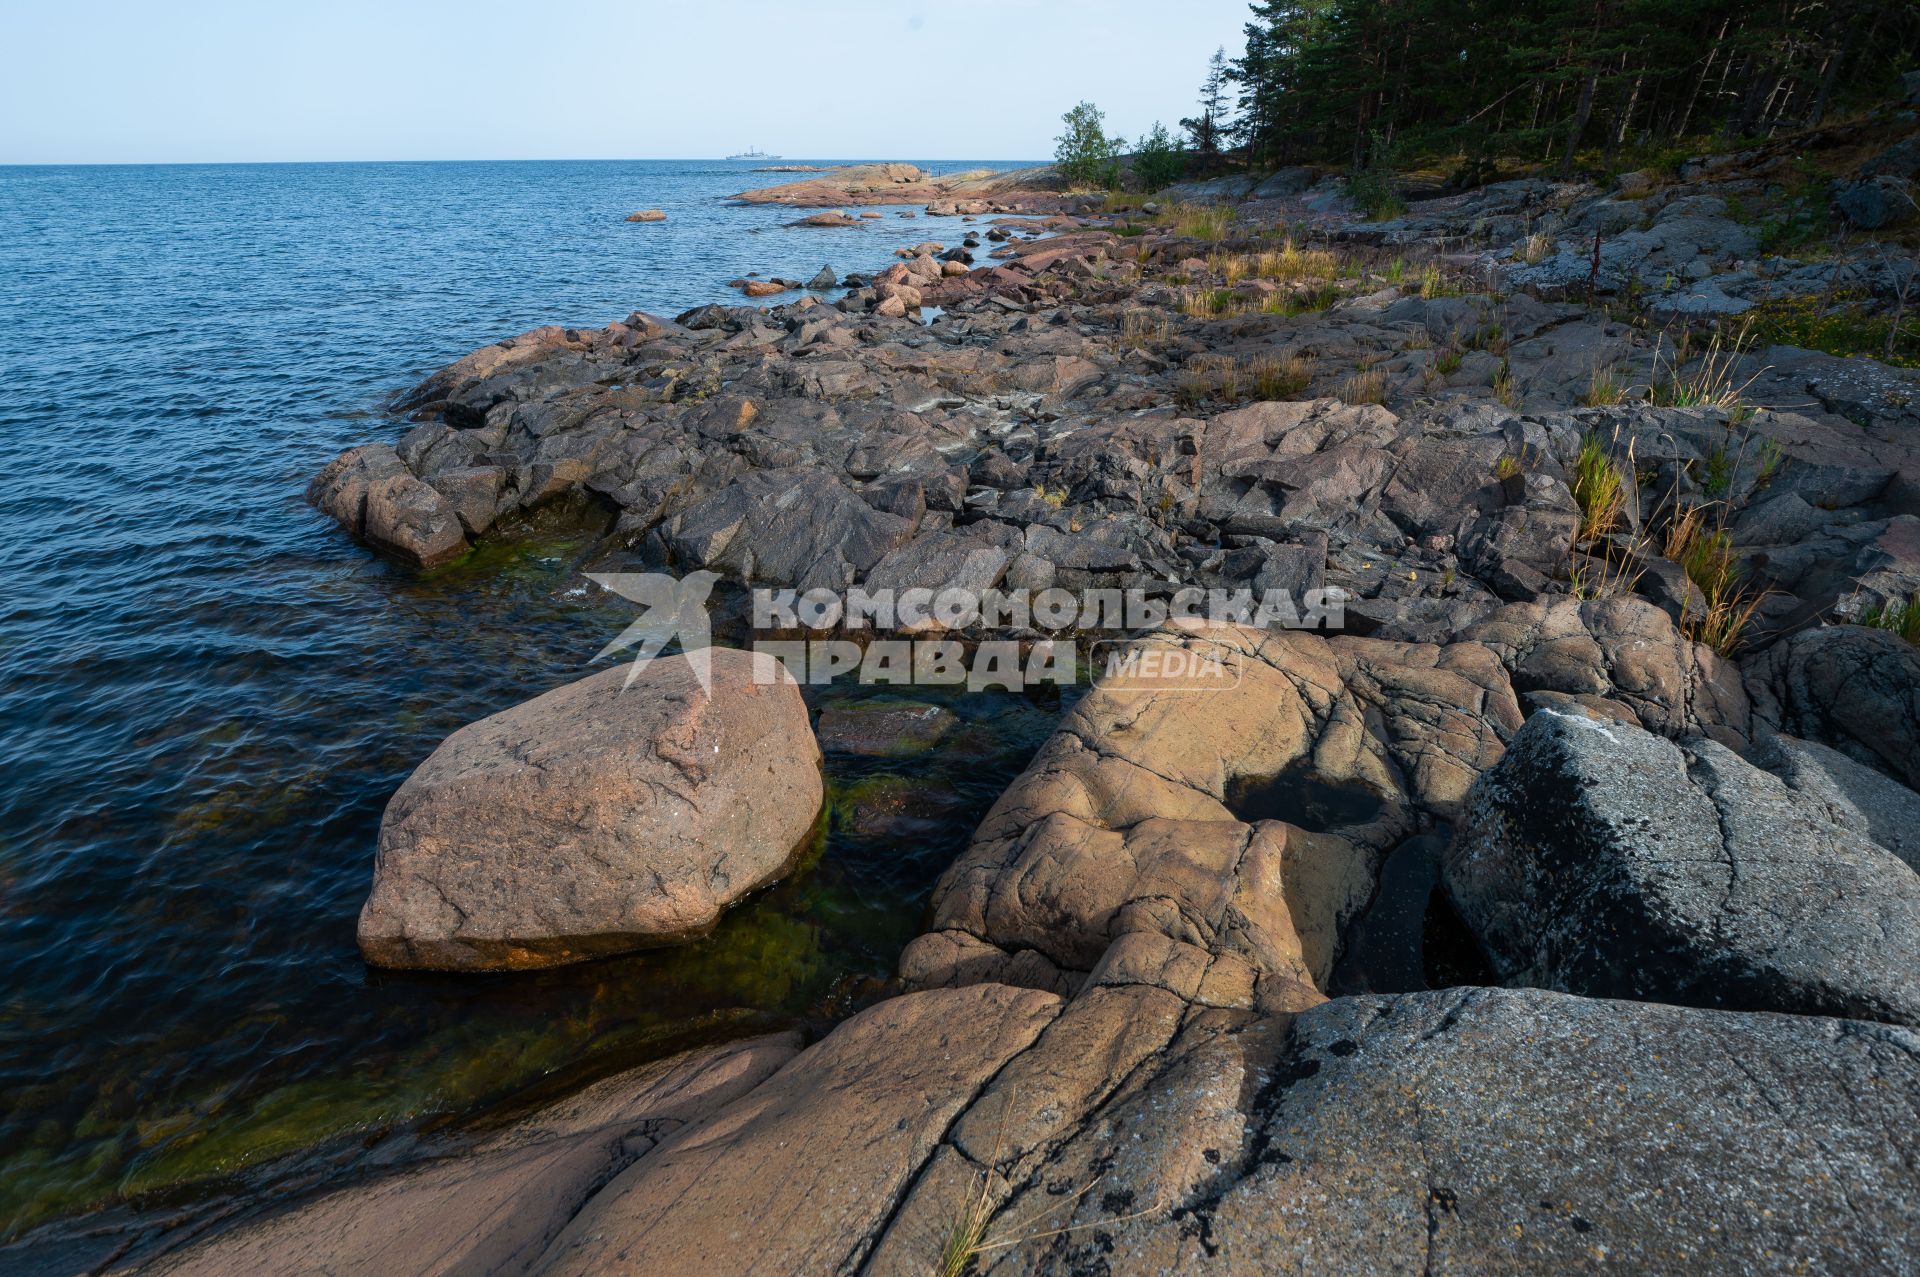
{"points": [[1840, 326], [1902, 618], [1371, 186], [1625, 84], [1597, 488], [1084, 154], [1717, 477], [1214, 119], [1158, 159]]}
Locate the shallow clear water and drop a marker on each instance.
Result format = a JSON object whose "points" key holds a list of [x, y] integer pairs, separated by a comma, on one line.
{"points": [[207, 693]]}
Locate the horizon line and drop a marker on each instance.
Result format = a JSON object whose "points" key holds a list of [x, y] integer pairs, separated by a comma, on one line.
{"points": [[538, 159]]}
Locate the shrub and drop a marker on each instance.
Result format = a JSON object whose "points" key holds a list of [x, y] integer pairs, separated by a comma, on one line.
{"points": [[1370, 185], [1084, 154], [1158, 159]]}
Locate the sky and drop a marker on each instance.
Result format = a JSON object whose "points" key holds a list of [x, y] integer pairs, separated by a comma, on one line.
{"points": [[186, 82]]}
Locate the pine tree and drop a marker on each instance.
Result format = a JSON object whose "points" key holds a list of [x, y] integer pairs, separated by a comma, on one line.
{"points": [[1207, 128], [1569, 83]]}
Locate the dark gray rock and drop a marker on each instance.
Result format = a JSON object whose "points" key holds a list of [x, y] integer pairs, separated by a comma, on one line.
{"points": [[1604, 860], [1876, 202], [1852, 794], [1854, 688], [798, 526], [1493, 1131]]}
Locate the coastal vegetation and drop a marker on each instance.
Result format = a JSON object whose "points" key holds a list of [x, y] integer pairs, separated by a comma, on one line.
{"points": [[1600, 83], [1085, 156]]}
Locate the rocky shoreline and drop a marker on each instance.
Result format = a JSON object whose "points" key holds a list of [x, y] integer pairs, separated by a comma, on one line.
{"points": [[1672, 805]]}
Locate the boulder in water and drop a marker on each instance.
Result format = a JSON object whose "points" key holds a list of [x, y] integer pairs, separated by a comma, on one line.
{"points": [[598, 818]]}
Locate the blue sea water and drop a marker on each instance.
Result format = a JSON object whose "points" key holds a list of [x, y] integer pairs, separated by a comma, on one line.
{"points": [[207, 693]]}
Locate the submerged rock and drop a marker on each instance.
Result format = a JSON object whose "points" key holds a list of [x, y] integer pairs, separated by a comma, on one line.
{"points": [[647, 215], [594, 820], [1601, 859], [884, 728]]}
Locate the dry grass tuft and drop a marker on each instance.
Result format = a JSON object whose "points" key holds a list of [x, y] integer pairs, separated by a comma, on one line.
{"points": [[1279, 376], [1710, 383], [1605, 388], [1704, 551], [1364, 387], [1139, 328]]}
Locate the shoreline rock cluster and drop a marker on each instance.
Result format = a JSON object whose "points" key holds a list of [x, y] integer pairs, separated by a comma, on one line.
{"points": [[1689, 858]]}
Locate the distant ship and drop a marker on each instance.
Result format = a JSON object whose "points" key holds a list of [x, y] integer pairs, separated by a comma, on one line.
{"points": [[753, 154]]}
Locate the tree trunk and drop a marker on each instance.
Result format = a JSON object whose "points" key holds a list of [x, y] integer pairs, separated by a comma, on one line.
{"points": [[1581, 110]]}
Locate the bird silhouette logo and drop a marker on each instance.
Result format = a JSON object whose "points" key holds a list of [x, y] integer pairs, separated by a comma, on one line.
{"points": [[674, 609]]}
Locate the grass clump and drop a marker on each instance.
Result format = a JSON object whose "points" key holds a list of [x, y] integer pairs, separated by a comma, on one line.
{"points": [[1369, 386], [1301, 301], [1705, 553], [1598, 489], [1535, 248], [1901, 618], [1279, 376], [1504, 387], [1197, 221], [1436, 283], [1208, 303], [1710, 382], [1604, 389], [1141, 328], [967, 1238]]}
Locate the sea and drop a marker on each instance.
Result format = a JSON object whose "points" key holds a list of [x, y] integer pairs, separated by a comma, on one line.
{"points": [[208, 693]]}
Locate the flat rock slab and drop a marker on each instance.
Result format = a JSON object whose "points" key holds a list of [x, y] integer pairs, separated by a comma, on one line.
{"points": [[1601, 859], [800, 1174], [596, 819], [494, 1207], [1507, 1131]]}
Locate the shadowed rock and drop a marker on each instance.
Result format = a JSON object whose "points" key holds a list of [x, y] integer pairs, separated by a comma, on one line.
{"points": [[1600, 859]]}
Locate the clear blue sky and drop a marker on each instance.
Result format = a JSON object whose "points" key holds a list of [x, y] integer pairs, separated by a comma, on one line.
{"points": [[174, 80]]}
